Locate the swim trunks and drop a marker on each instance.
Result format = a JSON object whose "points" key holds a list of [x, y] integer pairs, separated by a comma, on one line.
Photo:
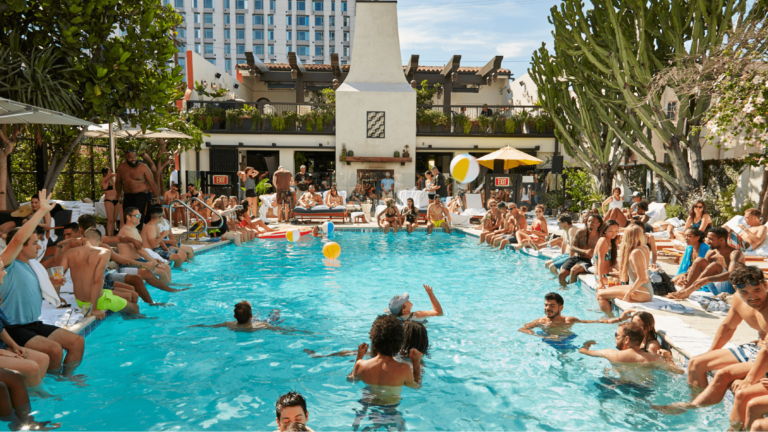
{"points": [[558, 261], [110, 277], [131, 270], [162, 252], [721, 287], [563, 343], [746, 352], [107, 301], [438, 223], [576, 260]]}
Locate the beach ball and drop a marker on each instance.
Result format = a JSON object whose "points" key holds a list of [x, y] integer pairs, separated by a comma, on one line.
{"points": [[293, 235], [464, 168], [327, 227], [332, 250]]}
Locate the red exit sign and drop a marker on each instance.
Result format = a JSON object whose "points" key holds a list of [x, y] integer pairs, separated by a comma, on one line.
{"points": [[220, 180], [502, 181]]}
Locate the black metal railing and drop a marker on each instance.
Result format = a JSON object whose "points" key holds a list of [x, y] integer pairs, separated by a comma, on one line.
{"points": [[483, 120], [262, 117]]}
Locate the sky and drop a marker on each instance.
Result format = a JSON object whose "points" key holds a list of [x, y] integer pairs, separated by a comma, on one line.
{"points": [[475, 29]]}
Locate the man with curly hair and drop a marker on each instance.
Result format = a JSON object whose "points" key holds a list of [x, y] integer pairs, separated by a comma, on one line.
{"points": [[382, 370]]}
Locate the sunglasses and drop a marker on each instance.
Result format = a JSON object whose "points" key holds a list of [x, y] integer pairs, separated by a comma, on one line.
{"points": [[698, 207], [137, 215], [751, 282]]}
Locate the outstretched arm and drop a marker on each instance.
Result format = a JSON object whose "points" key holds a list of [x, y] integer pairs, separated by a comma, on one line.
{"points": [[528, 328], [437, 310], [606, 354], [25, 232], [623, 317]]}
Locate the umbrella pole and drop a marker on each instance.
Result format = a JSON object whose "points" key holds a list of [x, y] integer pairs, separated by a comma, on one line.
{"points": [[111, 148]]}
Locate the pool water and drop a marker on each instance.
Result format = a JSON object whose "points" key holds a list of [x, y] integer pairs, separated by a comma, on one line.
{"points": [[482, 373]]}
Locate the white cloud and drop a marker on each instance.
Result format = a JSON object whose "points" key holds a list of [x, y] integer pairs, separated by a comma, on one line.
{"points": [[515, 49]]}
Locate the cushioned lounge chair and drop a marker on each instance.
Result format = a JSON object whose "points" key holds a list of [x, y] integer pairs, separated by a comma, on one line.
{"points": [[322, 212]]}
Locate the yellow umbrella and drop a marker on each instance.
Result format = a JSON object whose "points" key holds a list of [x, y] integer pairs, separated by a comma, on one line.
{"points": [[512, 158]]}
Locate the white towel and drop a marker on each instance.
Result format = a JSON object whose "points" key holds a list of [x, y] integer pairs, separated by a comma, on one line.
{"points": [[155, 255], [46, 287]]}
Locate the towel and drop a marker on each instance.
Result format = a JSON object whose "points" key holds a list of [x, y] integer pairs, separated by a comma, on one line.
{"points": [[46, 287], [155, 255]]}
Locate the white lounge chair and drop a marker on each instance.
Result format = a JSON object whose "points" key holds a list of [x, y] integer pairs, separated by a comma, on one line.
{"points": [[474, 205], [761, 250]]}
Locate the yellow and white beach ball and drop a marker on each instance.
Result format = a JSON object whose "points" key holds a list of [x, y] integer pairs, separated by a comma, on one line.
{"points": [[293, 235], [327, 227], [464, 168], [332, 250]]}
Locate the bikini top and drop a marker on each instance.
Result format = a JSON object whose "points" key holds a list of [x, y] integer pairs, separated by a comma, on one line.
{"points": [[391, 214], [607, 255], [697, 224], [109, 188]]}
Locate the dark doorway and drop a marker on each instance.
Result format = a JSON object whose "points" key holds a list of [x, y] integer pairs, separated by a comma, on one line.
{"points": [[263, 161], [320, 165]]}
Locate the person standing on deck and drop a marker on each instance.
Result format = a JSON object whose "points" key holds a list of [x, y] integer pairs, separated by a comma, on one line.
{"points": [[134, 181]]}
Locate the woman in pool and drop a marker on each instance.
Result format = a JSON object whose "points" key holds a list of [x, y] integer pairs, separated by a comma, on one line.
{"points": [[697, 218], [111, 203], [391, 217], [651, 342], [411, 215], [613, 208], [634, 268], [696, 247], [415, 337], [604, 258], [333, 199], [536, 235]]}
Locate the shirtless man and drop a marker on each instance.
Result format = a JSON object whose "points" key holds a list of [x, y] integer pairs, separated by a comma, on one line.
{"points": [[282, 179], [629, 338], [401, 307], [435, 213], [244, 321], [750, 304], [169, 196], [162, 271], [134, 181], [508, 225], [520, 224], [584, 246], [86, 265], [555, 325], [713, 269], [753, 233], [565, 223], [310, 199], [385, 375], [152, 238]]}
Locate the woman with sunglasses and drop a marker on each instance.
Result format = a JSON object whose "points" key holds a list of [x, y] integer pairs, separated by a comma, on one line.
{"points": [[635, 257], [333, 199], [536, 235], [697, 218]]}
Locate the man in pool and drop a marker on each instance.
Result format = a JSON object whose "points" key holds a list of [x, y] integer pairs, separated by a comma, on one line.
{"points": [[435, 213], [750, 304], [400, 306], [629, 337], [291, 408], [244, 321]]}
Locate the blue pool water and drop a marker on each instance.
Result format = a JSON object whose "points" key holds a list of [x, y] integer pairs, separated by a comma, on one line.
{"points": [[483, 374]]}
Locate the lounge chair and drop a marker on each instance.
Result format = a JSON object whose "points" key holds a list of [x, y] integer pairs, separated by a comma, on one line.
{"points": [[474, 205], [322, 211], [760, 251]]}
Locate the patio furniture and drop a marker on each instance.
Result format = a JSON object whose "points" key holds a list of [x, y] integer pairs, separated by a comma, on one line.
{"points": [[322, 212]]}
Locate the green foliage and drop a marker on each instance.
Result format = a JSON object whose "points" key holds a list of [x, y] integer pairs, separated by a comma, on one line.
{"points": [[278, 123], [329, 95], [290, 119], [510, 126], [262, 188], [580, 187], [483, 122], [397, 154], [299, 159], [234, 118], [424, 93]]}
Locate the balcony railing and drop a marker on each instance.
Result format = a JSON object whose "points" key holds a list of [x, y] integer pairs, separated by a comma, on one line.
{"points": [[500, 120], [262, 117]]}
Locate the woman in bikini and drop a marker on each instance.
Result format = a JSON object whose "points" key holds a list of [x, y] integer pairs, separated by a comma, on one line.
{"points": [[634, 268], [606, 254], [411, 215], [111, 203], [537, 235], [614, 210], [334, 199], [391, 217], [697, 218]]}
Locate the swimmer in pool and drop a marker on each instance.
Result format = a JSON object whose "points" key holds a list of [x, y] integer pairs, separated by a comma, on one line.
{"points": [[245, 322], [291, 411], [400, 306]]}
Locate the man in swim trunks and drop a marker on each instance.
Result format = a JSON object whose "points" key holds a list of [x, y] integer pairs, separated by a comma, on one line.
{"points": [[284, 196], [508, 226], [565, 223], [754, 233], [291, 408], [435, 213], [750, 304], [401, 306], [135, 181], [629, 338], [520, 224], [583, 246], [310, 198], [162, 270], [712, 270], [168, 197], [555, 325], [244, 321], [152, 238]]}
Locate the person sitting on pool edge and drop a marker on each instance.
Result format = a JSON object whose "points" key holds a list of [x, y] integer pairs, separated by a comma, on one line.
{"points": [[244, 321], [291, 408], [152, 237], [435, 213], [400, 306]]}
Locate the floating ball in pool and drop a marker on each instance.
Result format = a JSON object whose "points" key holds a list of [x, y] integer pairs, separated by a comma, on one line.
{"points": [[293, 235], [327, 227], [332, 250], [464, 168]]}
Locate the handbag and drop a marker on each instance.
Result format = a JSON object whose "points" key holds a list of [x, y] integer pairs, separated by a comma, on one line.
{"points": [[661, 282]]}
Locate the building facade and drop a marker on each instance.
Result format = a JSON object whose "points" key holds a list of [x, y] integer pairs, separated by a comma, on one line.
{"points": [[222, 31]]}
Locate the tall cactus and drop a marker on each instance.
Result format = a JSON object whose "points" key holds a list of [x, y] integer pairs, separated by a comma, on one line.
{"points": [[628, 42]]}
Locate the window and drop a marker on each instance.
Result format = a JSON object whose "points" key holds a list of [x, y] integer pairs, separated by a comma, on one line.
{"points": [[290, 6], [288, 48], [302, 20], [289, 35], [194, 3], [208, 4], [302, 36], [258, 5], [179, 3], [240, 49], [209, 48], [258, 35], [271, 50], [346, 51], [227, 35], [208, 18], [332, 21], [318, 50], [344, 62], [300, 5], [317, 6], [197, 33], [258, 19], [319, 36], [333, 6], [303, 50], [241, 4], [197, 18], [226, 18], [272, 4], [319, 21], [239, 19], [226, 4], [227, 65], [182, 48], [343, 6], [183, 17], [197, 48], [227, 49], [289, 20], [332, 36], [182, 62], [212, 61], [271, 35], [258, 49], [318, 62], [672, 111], [346, 36], [346, 21], [240, 34], [182, 32], [208, 33], [331, 49], [270, 20]]}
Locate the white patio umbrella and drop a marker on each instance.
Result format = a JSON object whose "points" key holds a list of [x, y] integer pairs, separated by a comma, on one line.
{"points": [[12, 112], [128, 131]]}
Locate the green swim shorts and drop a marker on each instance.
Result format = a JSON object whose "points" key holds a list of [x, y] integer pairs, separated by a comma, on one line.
{"points": [[107, 301]]}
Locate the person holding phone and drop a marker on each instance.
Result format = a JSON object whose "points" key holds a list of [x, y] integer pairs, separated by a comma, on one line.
{"points": [[752, 235]]}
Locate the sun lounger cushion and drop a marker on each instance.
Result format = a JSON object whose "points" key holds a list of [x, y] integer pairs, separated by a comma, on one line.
{"points": [[761, 250], [656, 212]]}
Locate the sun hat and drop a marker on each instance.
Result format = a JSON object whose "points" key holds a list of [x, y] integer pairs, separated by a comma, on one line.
{"points": [[397, 302], [23, 211]]}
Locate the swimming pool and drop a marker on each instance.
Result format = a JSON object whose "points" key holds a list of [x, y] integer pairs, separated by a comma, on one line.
{"points": [[482, 374]]}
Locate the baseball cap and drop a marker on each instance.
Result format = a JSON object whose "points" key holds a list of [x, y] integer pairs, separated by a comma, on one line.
{"points": [[637, 194], [397, 302]]}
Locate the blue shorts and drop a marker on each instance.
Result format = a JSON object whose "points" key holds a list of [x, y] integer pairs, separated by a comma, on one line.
{"points": [[562, 343], [122, 268], [719, 287], [746, 352], [163, 253], [558, 261]]}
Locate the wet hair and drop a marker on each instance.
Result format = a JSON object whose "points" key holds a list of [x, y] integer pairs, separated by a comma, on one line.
{"points": [[698, 233], [649, 327], [243, 312], [386, 335], [415, 337], [566, 219], [540, 207], [155, 210], [104, 170], [556, 297], [633, 331], [35, 196], [411, 205], [743, 274], [72, 226], [428, 173], [92, 232], [244, 203], [609, 223], [127, 212], [12, 233], [719, 232], [753, 212], [643, 205], [88, 221], [692, 212], [634, 237], [296, 426], [290, 399]]}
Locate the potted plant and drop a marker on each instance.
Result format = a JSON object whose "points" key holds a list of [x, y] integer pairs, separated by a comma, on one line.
{"points": [[483, 122], [278, 123], [498, 125], [397, 154], [290, 118], [511, 125], [234, 118], [251, 118], [350, 153], [441, 123], [460, 122]]}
